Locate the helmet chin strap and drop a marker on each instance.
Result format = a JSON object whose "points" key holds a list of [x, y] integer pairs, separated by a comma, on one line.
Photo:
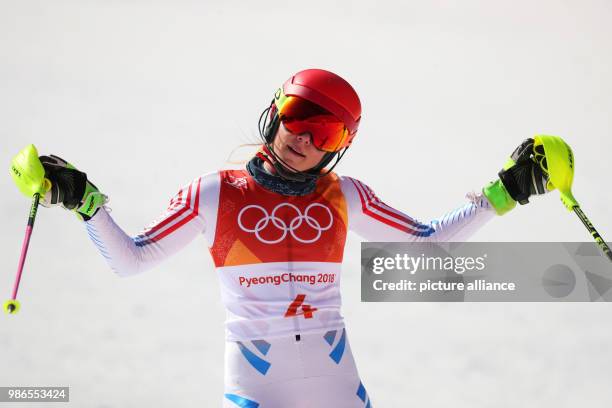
{"points": [[289, 175], [266, 154]]}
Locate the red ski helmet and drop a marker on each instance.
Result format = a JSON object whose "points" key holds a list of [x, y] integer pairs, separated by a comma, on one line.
{"points": [[329, 91], [321, 103], [318, 102]]}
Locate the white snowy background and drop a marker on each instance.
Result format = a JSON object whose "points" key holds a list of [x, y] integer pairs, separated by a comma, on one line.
{"points": [[145, 95]]}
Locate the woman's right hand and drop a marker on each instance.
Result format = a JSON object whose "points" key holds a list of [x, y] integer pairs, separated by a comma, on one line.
{"points": [[57, 181], [28, 173]]}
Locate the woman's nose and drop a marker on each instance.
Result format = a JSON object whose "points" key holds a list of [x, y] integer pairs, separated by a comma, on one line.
{"points": [[304, 138]]}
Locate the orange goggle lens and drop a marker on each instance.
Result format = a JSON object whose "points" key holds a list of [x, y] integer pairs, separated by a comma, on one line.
{"points": [[300, 116]]}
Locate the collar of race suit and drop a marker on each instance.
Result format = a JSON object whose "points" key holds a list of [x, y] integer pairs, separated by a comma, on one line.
{"points": [[276, 183]]}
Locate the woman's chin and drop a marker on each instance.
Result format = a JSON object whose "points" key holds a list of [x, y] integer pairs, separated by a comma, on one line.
{"points": [[291, 161]]}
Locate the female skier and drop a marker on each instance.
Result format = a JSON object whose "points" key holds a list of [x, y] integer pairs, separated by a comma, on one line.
{"points": [[276, 231]]}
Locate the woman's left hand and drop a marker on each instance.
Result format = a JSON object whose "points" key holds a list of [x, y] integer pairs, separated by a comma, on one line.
{"points": [[521, 177]]}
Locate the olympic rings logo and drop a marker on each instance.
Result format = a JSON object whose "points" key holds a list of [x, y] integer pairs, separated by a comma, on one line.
{"points": [[280, 224]]}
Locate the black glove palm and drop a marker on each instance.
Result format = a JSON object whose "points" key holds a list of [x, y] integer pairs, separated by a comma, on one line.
{"points": [[67, 184], [523, 176], [70, 188]]}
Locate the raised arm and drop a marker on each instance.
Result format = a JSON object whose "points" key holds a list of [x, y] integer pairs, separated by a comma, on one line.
{"points": [[59, 184], [374, 220], [183, 220], [524, 175]]}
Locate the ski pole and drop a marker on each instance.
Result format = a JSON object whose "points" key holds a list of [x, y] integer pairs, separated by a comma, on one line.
{"points": [[589, 226], [12, 306], [556, 158]]}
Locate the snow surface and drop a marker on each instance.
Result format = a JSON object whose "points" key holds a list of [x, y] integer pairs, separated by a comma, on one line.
{"points": [[145, 95]]}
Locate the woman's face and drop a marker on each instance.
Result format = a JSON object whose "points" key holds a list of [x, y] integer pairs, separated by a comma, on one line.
{"points": [[296, 150]]}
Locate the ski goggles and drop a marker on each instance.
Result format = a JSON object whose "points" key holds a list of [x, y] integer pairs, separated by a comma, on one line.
{"points": [[300, 116]]}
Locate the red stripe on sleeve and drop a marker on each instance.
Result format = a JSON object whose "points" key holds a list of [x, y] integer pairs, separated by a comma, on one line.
{"points": [[378, 217], [185, 220], [375, 202], [174, 216]]}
